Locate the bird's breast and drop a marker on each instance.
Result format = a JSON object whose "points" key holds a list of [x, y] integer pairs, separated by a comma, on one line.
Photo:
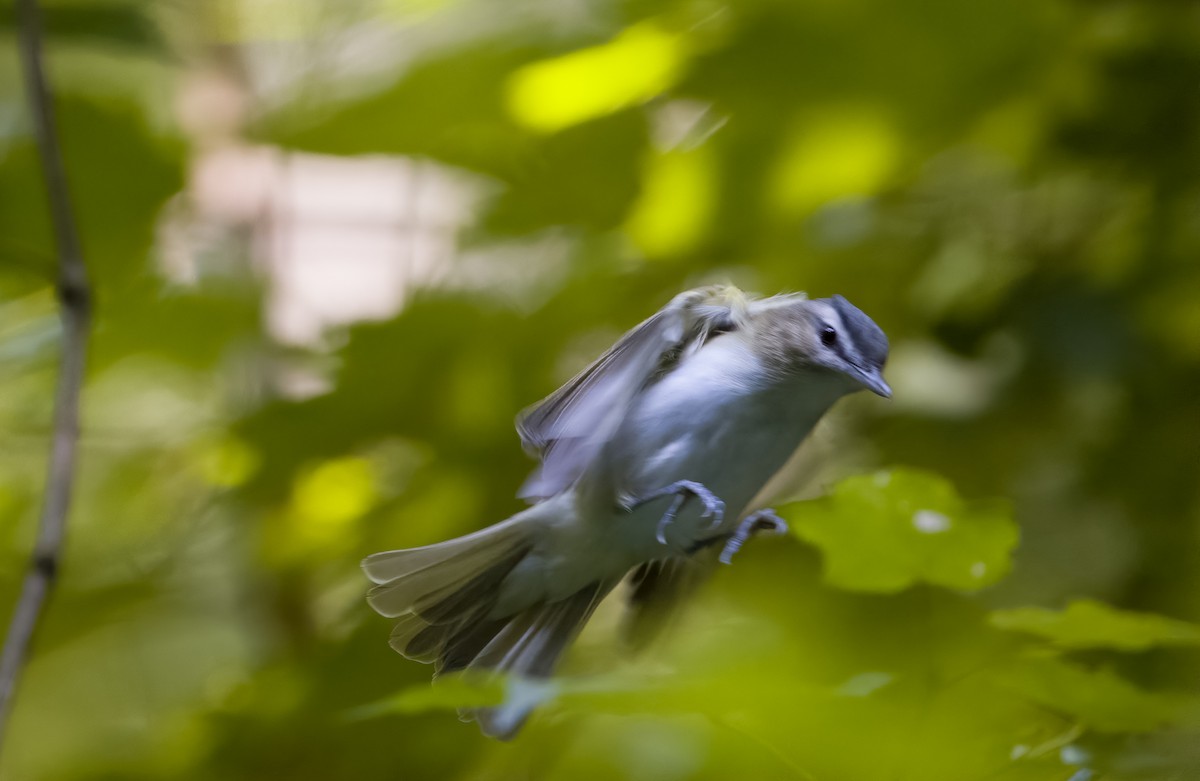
{"points": [[727, 427]]}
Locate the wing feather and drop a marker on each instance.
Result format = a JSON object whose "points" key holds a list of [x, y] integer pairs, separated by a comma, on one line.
{"points": [[568, 428]]}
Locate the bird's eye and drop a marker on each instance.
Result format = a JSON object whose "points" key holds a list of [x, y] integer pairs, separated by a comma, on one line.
{"points": [[828, 336]]}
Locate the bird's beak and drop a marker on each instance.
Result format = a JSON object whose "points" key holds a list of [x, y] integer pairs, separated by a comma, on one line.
{"points": [[872, 380]]}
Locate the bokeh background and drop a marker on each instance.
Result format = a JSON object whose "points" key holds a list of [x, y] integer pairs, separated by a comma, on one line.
{"points": [[337, 245]]}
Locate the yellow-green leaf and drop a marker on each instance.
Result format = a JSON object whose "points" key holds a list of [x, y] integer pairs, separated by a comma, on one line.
{"points": [[446, 693], [1099, 699], [886, 531], [1089, 624]]}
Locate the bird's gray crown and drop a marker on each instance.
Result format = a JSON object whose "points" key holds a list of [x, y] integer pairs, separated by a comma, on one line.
{"points": [[868, 339]]}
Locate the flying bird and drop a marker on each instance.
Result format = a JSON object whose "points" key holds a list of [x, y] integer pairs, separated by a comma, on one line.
{"points": [[652, 454]]}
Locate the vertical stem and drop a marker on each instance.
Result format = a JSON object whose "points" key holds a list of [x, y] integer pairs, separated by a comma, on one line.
{"points": [[75, 307]]}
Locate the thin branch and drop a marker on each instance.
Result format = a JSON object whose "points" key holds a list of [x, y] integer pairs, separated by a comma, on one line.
{"points": [[75, 307]]}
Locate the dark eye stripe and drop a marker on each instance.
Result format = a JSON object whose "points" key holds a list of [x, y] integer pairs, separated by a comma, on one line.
{"points": [[722, 326], [838, 343]]}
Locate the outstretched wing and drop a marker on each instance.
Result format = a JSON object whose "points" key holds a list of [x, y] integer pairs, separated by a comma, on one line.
{"points": [[568, 428]]}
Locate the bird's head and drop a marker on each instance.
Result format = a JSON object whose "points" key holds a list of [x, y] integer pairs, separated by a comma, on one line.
{"points": [[829, 334]]}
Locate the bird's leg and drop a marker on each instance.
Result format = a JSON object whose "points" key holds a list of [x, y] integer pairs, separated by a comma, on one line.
{"points": [[683, 490], [763, 520]]}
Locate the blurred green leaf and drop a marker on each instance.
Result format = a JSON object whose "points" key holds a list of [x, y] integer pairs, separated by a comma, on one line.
{"points": [[889, 530], [449, 108], [1099, 699], [448, 692], [1086, 623], [124, 24]]}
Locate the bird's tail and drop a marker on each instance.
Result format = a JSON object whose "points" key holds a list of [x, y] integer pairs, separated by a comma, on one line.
{"points": [[445, 595]]}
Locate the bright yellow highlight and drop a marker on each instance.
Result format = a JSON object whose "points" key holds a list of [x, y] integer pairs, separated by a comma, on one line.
{"points": [[676, 203], [327, 498], [632, 68], [835, 155]]}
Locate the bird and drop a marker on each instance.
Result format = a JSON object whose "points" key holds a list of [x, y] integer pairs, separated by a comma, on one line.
{"points": [[648, 457]]}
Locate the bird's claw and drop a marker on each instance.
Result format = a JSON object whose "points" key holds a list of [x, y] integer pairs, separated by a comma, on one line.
{"points": [[763, 520], [683, 490]]}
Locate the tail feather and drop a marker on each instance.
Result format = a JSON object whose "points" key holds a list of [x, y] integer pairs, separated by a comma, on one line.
{"points": [[403, 634], [464, 647], [417, 579], [389, 565], [451, 589], [531, 645], [444, 596]]}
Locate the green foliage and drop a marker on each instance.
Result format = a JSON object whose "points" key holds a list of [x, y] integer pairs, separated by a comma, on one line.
{"points": [[449, 691], [886, 531], [122, 24], [1086, 623], [1098, 699], [1008, 188], [932, 669]]}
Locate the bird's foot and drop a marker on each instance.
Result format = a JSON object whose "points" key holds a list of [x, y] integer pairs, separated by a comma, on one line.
{"points": [[683, 490], [761, 521]]}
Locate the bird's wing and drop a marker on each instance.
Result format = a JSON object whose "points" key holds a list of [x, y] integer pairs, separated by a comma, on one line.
{"points": [[568, 428]]}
